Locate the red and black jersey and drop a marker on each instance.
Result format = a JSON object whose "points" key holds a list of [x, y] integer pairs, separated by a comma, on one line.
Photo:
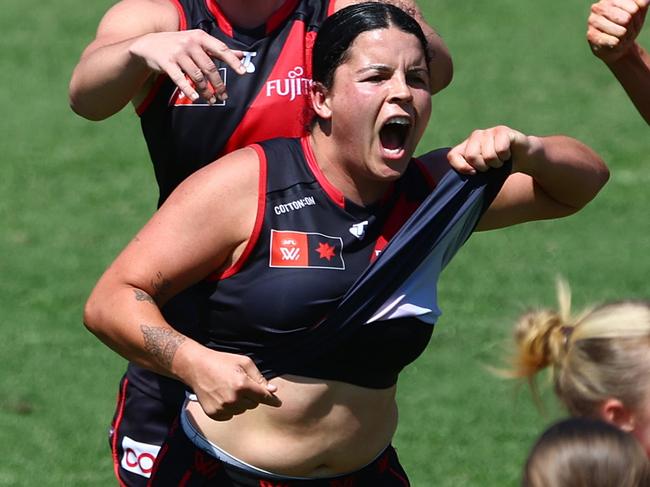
{"points": [[308, 247], [268, 101]]}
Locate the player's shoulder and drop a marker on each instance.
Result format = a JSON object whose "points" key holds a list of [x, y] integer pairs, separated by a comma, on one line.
{"points": [[145, 15], [239, 168], [228, 187]]}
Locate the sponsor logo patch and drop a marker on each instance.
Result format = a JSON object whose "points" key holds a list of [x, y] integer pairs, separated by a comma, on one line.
{"points": [[294, 205], [247, 62], [305, 250], [359, 229], [138, 457], [294, 85]]}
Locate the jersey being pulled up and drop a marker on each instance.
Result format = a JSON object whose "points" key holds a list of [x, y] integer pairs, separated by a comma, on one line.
{"points": [[268, 101], [308, 247]]}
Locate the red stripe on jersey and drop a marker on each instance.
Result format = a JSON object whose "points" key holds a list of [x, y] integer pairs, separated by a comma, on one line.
{"points": [[278, 108], [222, 21], [331, 8], [401, 212], [182, 20], [259, 220], [331, 191], [121, 399], [142, 107]]}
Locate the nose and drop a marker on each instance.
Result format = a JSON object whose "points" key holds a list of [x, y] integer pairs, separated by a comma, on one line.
{"points": [[400, 90]]}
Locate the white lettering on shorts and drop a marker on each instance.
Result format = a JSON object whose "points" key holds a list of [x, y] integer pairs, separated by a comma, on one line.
{"points": [[138, 457]]}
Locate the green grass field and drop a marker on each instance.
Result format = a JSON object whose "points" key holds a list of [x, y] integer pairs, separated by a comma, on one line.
{"points": [[73, 193]]}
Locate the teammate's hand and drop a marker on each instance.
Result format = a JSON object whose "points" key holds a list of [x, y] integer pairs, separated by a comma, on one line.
{"points": [[613, 26], [227, 384], [488, 148], [187, 58]]}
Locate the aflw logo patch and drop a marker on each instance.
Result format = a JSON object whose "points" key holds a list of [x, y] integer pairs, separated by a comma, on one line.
{"points": [[305, 249]]}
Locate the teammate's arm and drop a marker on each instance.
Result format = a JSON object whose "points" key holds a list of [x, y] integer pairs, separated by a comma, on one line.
{"points": [[136, 40], [612, 30], [441, 67]]}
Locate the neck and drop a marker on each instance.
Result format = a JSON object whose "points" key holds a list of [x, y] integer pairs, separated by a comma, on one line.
{"points": [[249, 14], [342, 173]]}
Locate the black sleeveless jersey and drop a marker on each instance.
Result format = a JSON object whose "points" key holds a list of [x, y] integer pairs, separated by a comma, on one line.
{"points": [[308, 247], [268, 101]]}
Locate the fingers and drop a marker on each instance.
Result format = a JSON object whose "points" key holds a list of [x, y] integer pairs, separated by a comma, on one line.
{"points": [[457, 161], [613, 25], [190, 60], [197, 81], [234, 388], [482, 150], [202, 69]]}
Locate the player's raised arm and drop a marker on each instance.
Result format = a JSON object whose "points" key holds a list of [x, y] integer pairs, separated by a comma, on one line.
{"points": [[612, 30], [552, 176]]}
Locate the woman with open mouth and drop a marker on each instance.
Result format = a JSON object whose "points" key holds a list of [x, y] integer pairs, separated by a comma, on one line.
{"points": [[272, 236]]}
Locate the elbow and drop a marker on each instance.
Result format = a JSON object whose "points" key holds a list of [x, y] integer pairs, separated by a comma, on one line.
{"points": [[78, 107], [593, 184], [80, 102], [92, 316], [603, 175], [600, 177]]}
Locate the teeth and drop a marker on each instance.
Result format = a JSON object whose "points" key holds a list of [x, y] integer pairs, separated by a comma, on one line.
{"points": [[399, 121]]}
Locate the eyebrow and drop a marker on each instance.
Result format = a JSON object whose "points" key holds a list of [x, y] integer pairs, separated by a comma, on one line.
{"points": [[384, 68]]}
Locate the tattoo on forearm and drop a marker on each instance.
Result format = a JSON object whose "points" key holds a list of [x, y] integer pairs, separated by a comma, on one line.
{"points": [[162, 343], [140, 295], [160, 285]]}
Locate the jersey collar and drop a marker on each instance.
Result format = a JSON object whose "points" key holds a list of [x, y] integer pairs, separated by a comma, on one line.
{"points": [[273, 22]]}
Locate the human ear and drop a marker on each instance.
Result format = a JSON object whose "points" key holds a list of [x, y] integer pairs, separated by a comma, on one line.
{"points": [[614, 411], [320, 101]]}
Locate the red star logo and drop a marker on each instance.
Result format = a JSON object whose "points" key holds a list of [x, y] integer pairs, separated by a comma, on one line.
{"points": [[325, 251]]}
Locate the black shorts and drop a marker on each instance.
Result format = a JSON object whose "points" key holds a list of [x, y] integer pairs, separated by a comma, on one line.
{"points": [[180, 462], [140, 425]]}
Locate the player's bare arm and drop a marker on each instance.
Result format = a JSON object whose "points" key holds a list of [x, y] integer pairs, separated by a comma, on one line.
{"points": [[441, 67], [161, 343], [171, 252], [552, 177]]}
